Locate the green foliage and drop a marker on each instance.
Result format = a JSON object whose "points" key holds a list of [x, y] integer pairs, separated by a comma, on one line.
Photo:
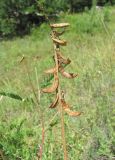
{"points": [[13, 143], [90, 21], [11, 95], [51, 7], [17, 17], [40, 32]]}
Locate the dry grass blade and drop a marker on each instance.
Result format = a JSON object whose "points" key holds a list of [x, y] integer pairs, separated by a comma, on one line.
{"points": [[54, 104], [67, 75], [59, 42], [53, 87], [1, 97], [22, 59], [51, 71], [59, 25]]}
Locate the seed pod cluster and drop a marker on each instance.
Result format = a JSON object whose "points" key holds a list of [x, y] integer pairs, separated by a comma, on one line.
{"points": [[60, 63]]}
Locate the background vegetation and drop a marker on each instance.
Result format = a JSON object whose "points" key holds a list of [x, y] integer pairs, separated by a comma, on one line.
{"points": [[91, 39], [17, 17]]}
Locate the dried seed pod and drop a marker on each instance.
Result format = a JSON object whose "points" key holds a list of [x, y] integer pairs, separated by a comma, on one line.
{"points": [[72, 113], [53, 87], [64, 104], [57, 34], [66, 74], [54, 104], [59, 25], [59, 42], [63, 60], [66, 108], [50, 71]]}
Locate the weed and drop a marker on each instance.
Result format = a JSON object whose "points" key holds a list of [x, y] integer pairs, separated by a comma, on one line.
{"points": [[59, 61], [89, 137]]}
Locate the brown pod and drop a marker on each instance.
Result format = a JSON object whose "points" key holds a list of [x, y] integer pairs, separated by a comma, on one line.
{"points": [[66, 108], [54, 104], [72, 113], [67, 75], [59, 42], [63, 60], [59, 25], [50, 71], [53, 87], [64, 104], [58, 33]]}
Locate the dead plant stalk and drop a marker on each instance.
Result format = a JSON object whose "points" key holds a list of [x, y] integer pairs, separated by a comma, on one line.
{"points": [[60, 64], [60, 108]]}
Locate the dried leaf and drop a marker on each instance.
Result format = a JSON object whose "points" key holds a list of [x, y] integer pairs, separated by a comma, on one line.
{"points": [[59, 25], [53, 87], [66, 74], [54, 104]]}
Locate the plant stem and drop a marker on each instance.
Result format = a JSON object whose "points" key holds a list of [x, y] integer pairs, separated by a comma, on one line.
{"points": [[60, 106], [62, 127]]}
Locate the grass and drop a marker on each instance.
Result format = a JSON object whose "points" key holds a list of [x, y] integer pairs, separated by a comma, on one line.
{"points": [[91, 48]]}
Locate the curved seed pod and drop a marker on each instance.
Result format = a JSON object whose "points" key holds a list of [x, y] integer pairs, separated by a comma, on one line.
{"points": [[63, 60], [53, 87], [64, 104], [59, 25], [72, 113], [52, 70], [67, 75], [57, 34], [59, 42], [54, 104], [66, 108]]}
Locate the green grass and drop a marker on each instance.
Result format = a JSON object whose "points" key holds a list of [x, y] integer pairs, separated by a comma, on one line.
{"points": [[91, 47]]}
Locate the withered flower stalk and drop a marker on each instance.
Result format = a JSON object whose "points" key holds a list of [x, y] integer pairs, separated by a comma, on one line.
{"points": [[60, 63]]}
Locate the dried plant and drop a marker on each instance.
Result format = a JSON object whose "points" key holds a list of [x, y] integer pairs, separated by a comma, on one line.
{"points": [[59, 67]]}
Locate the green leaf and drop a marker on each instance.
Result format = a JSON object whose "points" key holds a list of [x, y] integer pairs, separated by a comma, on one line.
{"points": [[11, 95]]}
